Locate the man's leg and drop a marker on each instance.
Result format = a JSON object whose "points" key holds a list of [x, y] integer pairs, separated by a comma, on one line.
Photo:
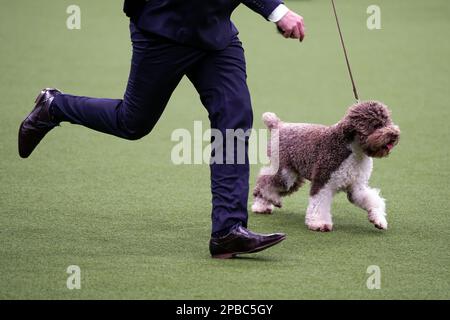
{"points": [[220, 79], [156, 69]]}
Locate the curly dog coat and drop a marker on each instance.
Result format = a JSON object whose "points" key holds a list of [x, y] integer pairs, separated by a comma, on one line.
{"points": [[334, 158]]}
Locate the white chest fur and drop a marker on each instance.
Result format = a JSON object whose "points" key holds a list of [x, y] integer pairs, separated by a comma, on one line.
{"points": [[356, 169]]}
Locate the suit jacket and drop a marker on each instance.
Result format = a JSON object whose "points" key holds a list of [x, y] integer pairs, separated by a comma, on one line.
{"points": [[201, 23]]}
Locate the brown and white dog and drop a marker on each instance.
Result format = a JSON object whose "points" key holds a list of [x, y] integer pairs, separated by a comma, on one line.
{"points": [[334, 158]]}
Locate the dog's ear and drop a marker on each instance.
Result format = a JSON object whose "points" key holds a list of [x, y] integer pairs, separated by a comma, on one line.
{"points": [[363, 118], [348, 129]]}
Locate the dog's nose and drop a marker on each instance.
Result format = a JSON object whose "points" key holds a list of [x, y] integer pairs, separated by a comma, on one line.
{"points": [[396, 129], [394, 132]]}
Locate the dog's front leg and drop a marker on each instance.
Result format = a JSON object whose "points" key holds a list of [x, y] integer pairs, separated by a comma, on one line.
{"points": [[369, 199], [318, 215]]}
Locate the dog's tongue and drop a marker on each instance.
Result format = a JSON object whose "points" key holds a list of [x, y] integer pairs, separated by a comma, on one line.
{"points": [[389, 146]]}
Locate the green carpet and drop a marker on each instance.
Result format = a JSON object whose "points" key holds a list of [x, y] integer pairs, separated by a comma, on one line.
{"points": [[138, 226]]}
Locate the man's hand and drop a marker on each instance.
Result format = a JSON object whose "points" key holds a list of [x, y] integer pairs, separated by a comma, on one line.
{"points": [[292, 26]]}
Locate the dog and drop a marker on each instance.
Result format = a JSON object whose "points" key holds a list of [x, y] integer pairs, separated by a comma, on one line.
{"points": [[333, 158]]}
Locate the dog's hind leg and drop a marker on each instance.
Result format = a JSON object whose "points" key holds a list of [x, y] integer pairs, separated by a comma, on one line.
{"points": [[262, 206], [271, 187], [291, 182], [266, 194], [369, 199]]}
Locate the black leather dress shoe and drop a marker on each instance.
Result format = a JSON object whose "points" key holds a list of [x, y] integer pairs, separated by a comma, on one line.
{"points": [[38, 123], [240, 240]]}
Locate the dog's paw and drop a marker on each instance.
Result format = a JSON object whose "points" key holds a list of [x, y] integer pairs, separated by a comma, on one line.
{"points": [[320, 226], [262, 207], [378, 220], [380, 223], [277, 204]]}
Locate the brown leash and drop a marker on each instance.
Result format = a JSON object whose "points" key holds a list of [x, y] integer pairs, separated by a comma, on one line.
{"points": [[355, 92]]}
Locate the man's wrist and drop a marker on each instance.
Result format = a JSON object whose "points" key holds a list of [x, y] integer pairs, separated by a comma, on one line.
{"points": [[278, 13]]}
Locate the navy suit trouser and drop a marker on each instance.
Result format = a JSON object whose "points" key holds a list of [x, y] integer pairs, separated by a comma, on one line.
{"points": [[157, 67]]}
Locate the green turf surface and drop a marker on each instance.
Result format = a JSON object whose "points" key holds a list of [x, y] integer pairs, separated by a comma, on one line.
{"points": [[138, 226]]}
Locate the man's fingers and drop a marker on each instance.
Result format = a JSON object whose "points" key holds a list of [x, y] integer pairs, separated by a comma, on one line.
{"points": [[287, 33], [302, 30], [295, 33], [292, 26]]}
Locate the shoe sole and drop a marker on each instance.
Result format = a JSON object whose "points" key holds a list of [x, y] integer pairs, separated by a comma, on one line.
{"points": [[234, 254]]}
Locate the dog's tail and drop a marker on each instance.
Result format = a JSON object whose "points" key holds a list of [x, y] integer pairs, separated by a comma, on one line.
{"points": [[271, 120]]}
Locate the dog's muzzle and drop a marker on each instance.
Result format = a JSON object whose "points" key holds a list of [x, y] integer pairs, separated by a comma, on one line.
{"points": [[380, 143]]}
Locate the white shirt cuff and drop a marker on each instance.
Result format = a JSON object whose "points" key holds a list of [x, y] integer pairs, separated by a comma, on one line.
{"points": [[278, 13]]}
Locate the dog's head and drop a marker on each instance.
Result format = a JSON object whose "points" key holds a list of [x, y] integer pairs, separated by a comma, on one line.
{"points": [[369, 123]]}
